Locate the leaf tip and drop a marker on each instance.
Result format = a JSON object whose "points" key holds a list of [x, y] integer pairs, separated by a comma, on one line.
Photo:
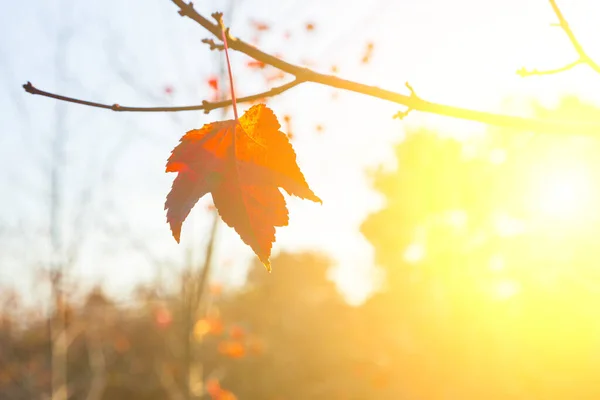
{"points": [[315, 198], [267, 265], [175, 231]]}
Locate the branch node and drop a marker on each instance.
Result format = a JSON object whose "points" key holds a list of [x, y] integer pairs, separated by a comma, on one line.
{"points": [[29, 88], [413, 95], [523, 72], [183, 12], [213, 45], [412, 91], [218, 16], [206, 106], [402, 114]]}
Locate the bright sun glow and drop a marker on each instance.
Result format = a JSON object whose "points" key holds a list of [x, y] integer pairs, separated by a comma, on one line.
{"points": [[414, 253], [563, 193], [505, 289]]}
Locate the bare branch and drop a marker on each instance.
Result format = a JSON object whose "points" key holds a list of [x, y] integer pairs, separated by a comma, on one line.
{"points": [[213, 45], [565, 26], [206, 106], [412, 102], [98, 368], [303, 74], [583, 56], [403, 114], [524, 72], [61, 340]]}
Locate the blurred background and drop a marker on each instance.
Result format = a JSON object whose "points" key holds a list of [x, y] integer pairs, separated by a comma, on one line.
{"points": [[449, 260]]}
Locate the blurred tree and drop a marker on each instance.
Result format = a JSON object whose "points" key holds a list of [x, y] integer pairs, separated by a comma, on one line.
{"points": [[305, 331], [483, 296]]}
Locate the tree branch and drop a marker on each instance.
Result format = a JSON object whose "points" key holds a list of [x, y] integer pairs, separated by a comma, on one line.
{"points": [[565, 27], [97, 366], [303, 74], [583, 57], [410, 101], [524, 72], [206, 106], [213, 45]]}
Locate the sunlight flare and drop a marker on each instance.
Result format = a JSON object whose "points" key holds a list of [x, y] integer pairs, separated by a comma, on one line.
{"points": [[563, 193], [506, 289]]}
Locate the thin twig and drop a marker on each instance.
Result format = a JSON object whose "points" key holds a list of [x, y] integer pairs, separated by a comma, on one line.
{"points": [[411, 102], [403, 114], [213, 45], [524, 72], [303, 74], [206, 106], [583, 56], [565, 26]]}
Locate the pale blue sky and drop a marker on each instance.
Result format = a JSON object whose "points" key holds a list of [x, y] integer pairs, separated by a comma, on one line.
{"points": [[463, 52]]}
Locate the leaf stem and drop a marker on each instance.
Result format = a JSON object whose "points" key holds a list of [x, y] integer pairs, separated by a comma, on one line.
{"points": [[233, 100]]}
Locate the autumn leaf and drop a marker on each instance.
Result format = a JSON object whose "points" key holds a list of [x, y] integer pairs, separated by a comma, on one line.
{"points": [[236, 332], [213, 82], [260, 26], [242, 164], [216, 392], [232, 348], [206, 326], [256, 64]]}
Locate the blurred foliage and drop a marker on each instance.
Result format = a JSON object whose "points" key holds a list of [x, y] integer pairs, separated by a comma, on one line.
{"points": [[278, 337], [490, 253], [490, 292]]}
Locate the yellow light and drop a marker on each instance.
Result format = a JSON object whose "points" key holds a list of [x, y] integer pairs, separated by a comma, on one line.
{"points": [[496, 263], [563, 193], [497, 156], [414, 253], [505, 289], [201, 328]]}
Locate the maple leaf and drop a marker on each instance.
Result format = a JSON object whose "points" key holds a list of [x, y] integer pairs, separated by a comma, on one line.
{"points": [[242, 163]]}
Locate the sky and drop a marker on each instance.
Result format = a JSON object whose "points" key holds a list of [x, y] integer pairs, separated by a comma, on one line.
{"points": [[464, 53]]}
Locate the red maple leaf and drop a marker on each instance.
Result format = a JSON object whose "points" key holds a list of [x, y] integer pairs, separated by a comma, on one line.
{"points": [[242, 164], [213, 82], [256, 64]]}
